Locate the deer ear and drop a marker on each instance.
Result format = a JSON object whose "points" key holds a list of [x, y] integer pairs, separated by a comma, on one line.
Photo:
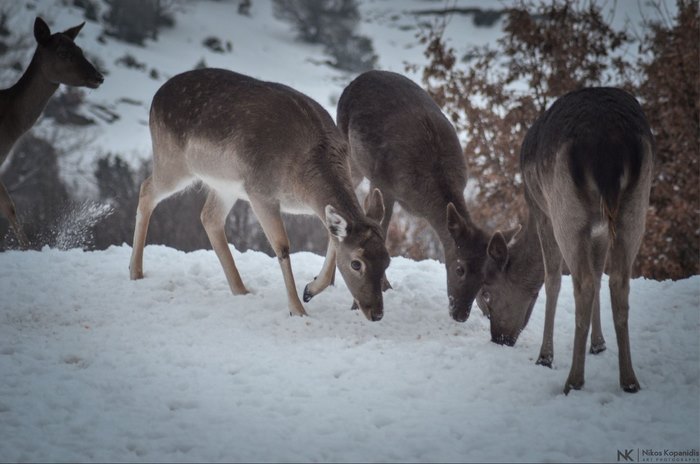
{"points": [[73, 31], [336, 224], [374, 205], [455, 222], [498, 250], [42, 33]]}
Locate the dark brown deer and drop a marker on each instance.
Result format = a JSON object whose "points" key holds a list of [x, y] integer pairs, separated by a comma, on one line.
{"points": [[400, 140], [280, 150], [57, 60], [587, 166]]}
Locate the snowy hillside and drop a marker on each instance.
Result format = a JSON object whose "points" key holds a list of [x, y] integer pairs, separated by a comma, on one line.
{"points": [[95, 367], [262, 46]]}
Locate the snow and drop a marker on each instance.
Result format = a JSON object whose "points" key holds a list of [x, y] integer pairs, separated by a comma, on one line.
{"points": [[95, 367]]}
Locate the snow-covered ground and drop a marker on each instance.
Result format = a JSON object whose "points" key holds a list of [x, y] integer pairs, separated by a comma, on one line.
{"points": [[95, 367]]}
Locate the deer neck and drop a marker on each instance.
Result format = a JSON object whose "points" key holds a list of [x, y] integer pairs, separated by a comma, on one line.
{"points": [[30, 95], [326, 191], [527, 253]]}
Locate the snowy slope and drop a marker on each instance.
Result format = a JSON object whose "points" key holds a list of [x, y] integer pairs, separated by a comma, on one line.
{"points": [[95, 367], [262, 46]]}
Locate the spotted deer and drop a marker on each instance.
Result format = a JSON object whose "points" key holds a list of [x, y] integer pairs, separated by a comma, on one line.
{"points": [[276, 148], [400, 140], [587, 167], [57, 60]]}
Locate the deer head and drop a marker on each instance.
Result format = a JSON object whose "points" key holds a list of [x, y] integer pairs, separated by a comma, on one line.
{"points": [[510, 286], [62, 61], [464, 264], [361, 255]]}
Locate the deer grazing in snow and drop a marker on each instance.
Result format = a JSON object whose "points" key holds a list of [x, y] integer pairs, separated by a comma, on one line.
{"points": [[400, 140], [587, 167], [280, 150], [57, 60]]}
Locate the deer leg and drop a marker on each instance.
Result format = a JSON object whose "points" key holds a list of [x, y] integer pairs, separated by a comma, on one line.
{"points": [[577, 253], [151, 193], [597, 340], [7, 208], [147, 203], [622, 252], [325, 278], [619, 296], [552, 284], [213, 218], [271, 221]]}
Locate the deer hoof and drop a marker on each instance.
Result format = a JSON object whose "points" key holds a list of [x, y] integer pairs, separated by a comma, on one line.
{"points": [[545, 361], [307, 293], [597, 348], [354, 306], [297, 312], [136, 275], [572, 385], [632, 387]]}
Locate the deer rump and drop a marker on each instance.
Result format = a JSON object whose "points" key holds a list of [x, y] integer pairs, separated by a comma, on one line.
{"points": [[601, 135]]}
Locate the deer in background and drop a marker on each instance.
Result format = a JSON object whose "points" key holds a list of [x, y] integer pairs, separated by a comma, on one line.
{"points": [[400, 140], [278, 149], [57, 60], [587, 167]]}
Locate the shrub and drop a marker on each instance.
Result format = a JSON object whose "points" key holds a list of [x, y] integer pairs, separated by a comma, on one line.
{"points": [[333, 24], [548, 50]]}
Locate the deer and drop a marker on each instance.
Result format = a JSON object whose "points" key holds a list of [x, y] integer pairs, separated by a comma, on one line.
{"points": [[587, 166], [403, 144], [57, 60], [276, 148]]}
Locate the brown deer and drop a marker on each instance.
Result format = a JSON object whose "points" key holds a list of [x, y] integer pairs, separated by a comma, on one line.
{"points": [[400, 140], [587, 166], [57, 60], [280, 150]]}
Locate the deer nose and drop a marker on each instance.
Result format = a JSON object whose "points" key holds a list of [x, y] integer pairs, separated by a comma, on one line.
{"points": [[459, 314], [377, 316]]}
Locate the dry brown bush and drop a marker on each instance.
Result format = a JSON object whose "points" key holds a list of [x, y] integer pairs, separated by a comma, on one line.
{"points": [[549, 49], [670, 94]]}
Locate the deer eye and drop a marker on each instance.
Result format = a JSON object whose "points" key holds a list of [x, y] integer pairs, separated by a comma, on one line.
{"points": [[459, 271], [356, 265]]}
